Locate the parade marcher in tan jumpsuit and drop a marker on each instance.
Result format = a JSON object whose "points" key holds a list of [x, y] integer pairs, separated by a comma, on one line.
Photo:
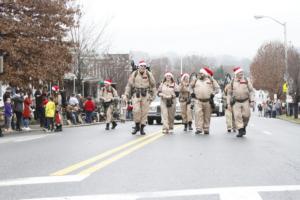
{"points": [[108, 94], [204, 88], [240, 95], [141, 87], [166, 91], [185, 101], [228, 113]]}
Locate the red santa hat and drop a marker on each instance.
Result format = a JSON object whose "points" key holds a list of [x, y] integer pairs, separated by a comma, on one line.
{"points": [[108, 81], [169, 74], [142, 63], [184, 75], [237, 70], [55, 88], [206, 71]]}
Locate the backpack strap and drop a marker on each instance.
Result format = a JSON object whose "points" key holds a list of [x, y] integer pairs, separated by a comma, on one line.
{"points": [[148, 75]]}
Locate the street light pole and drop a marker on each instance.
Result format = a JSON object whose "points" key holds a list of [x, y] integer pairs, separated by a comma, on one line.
{"points": [[1, 64], [74, 84], [285, 77], [285, 52], [285, 42], [181, 65]]}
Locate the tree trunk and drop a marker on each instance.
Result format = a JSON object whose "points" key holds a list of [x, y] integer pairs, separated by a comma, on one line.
{"points": [[296, 109]]}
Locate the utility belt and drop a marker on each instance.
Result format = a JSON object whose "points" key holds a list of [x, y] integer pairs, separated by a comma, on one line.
{"points": [[241, 100], [210, 100], [203, 100], [141, 92], [107, 104], [169, 102], [183, 99]]}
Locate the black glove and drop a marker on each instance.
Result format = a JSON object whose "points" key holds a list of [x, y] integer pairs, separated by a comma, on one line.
{"points": [[193, 95]]}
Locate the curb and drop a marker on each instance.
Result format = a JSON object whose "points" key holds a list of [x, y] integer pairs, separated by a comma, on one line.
{"points": [[65, 126], [288, 120]]}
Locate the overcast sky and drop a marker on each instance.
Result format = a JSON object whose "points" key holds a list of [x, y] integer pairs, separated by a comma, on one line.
{"points": [[210, 27]]}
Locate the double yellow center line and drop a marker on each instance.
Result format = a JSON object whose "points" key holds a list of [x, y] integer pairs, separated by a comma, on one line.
{"points": [[134, 145]]}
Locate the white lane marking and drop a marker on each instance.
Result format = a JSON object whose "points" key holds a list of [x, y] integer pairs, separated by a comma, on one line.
{"points": [[267, 132], [223, 192], [21, 138], [241, 195], [42, 180]]}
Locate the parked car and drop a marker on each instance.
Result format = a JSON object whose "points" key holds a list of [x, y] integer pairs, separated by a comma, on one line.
{"points": [[154, 113], [219, 105]]}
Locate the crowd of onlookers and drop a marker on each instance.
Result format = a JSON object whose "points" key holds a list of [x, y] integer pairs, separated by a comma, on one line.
{"points": [[45, 106], [50, 109], [271, 108]]}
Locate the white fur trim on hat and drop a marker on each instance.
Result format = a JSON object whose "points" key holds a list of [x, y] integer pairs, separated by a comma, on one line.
{"points": [[204, 72], [169, 74], [107, 82], [142, 63], [238, 71], [184, 75]]}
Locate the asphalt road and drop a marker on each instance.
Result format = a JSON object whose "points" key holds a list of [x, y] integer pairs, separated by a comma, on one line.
{"points": [[91, 163]]}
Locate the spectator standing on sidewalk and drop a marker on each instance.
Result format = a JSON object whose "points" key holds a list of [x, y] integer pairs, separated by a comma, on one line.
{"points": [[40, 109], [89, 107], [278, 107], [50, 113], [27, 111], [273, 109], [260, 109], [8, 112], [7, 95], [18, 100], [129, 111]]}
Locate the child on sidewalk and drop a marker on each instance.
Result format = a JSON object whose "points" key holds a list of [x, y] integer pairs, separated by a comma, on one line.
{"points": [[50, 114], [8, 114], [58, 122]]}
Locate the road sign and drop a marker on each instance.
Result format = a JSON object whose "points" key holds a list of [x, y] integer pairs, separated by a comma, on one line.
{"points": [[285, 87]]}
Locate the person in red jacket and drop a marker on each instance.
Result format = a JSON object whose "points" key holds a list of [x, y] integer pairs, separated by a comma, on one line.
{"points": [[27, 111], [89, 107]]}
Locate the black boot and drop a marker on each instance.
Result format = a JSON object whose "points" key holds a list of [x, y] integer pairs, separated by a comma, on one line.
{"points": [[114, 124], [136, 128], [142, 129], [190, 126], [107, 126], [185, 127], [198, 132], [244, 129], [241, 132]]}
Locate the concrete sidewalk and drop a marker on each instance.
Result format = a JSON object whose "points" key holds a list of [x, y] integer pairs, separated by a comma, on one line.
{"points": [[37, 128]]}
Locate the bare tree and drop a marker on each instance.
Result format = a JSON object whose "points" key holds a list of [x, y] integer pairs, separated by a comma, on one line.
{"points": [[267, 68], [91, 41], [159, 67], [193, 63], [117, 68]]}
